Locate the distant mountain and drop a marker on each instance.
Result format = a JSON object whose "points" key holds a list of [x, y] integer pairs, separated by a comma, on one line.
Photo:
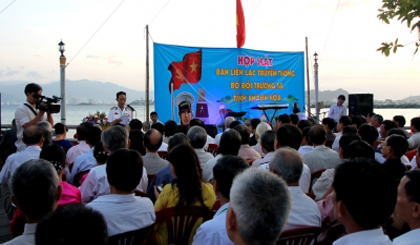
{"points": [[412, 98], [80, 90], [328, 95]]}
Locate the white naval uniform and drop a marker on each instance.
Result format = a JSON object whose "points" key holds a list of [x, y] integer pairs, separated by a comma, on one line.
{"points": [[115, 113]]}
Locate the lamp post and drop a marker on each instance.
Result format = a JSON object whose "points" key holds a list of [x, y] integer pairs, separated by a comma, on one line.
{"points": [[316, 86], [62, 81]]}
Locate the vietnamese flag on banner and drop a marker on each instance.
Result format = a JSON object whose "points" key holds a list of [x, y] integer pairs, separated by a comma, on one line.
{"points": [[186, 71], [240, 24]]}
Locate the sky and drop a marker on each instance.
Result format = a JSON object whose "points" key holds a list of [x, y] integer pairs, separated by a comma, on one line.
{"points": [[345, 34]]}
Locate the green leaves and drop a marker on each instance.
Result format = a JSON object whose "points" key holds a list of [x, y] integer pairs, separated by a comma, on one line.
{"points": [[406, 11]]}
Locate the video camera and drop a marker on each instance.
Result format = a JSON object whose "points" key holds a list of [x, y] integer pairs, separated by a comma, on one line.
{"points": [[47, 104]]}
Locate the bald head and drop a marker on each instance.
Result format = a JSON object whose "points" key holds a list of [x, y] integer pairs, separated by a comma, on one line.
{"points": [[32, 135], [153, 140], [318, 135]]}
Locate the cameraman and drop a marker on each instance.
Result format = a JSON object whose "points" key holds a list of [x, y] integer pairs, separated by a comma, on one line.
{"points": [[27, 114]]}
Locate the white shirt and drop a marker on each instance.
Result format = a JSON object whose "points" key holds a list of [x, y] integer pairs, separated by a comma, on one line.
{"points": [[337, 111], [323, 183], [304, 211], [163, 147], [413, 162], [379, 158], [258, 148], [304, 149], [304, 181], [266, 159], [83, 162], [336, 144], [409, 238], [213, 232], [115, 113], [321, 157], [371, 237], [203, 156], [96, 184], [219, 136], [414, 141], [15, 160], [124, 213], [208, 168], [24, 115], [76, 151], [27, 238]]}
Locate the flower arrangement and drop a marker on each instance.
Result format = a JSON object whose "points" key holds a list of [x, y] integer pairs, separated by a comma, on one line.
{"points": [[98, 118]]}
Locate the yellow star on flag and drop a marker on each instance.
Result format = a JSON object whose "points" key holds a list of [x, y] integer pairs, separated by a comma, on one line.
{"points": [[193, 67]]}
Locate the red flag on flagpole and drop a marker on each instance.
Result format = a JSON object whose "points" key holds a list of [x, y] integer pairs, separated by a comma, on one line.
{"points": [[240, 24]]}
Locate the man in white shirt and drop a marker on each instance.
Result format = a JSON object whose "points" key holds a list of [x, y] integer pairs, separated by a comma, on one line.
{"points": [[122, 210], [35, 191], [267, 199], [287, 163], [121, 113], [80, 148], [230, 142], [227, 122], [27, 114], [267, 145], [400, 121], [152, 161], [344, 121], [213, 232], [338, 110], [198, 137], [414, 140], [87, 160], [407, 209], [321, 157], [33, 138], [363, 198], [154, 117], [306, 145], [161, 129], [96, 183]]}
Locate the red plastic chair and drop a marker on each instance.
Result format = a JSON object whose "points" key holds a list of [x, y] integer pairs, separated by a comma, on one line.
{"points": [[411, 154], [300, 236], [136, 237], [163, 154], [314, 176], [180, 222], [212, 148]]}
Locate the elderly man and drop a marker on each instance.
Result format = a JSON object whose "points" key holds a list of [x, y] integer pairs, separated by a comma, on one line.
{"points": [[86, 160], [213, 232], [96, 183], [267, 199], [290, 136], [228, 121], [35, 191], [152, 161], [198, 139], [33, 139], [267, 145], [47, 132], [123, 211], [362, 219], [287, 163], [320, 157], [408, 207]]}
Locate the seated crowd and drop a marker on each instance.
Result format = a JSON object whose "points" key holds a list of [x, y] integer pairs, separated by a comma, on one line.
{"points": [[361, 185]]}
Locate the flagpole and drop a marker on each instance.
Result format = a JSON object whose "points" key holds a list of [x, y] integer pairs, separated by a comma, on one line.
{"points": [[308, 92], [147, 76], [172, 101]]}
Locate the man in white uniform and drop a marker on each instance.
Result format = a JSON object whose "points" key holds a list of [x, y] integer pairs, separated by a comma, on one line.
{"points": [[121, 113], [27, 114]]}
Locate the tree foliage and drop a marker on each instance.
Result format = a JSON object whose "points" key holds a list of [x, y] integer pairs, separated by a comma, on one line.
{"points": [[405, 11]]}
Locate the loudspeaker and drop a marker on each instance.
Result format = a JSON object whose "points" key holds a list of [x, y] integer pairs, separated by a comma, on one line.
{"points": [[360, 104]]}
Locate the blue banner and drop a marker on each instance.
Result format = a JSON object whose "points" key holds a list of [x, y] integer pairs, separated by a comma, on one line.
{"points": [[212, 83]]}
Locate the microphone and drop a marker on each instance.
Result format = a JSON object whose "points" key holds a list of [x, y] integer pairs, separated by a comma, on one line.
{"points": [[129, 106]]}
